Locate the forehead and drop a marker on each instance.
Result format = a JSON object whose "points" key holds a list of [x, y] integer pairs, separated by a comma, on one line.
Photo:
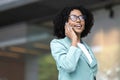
{"points": [[76, 12]]}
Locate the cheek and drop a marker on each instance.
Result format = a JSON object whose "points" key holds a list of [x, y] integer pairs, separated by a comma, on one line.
{"points": [[71, 22], [83, 25], [83, 22]]}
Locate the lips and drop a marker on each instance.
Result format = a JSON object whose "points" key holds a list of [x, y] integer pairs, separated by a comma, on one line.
{"points": [[78, 26]]}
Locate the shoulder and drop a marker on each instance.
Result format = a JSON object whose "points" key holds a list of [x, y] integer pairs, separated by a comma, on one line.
{"points": [[59, 41]]}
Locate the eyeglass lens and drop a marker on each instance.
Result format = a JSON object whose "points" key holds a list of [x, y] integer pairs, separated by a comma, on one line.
{"points": [[74, 17]]}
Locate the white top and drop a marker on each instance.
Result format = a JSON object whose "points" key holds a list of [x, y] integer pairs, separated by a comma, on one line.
{"points": [[85, 51]]}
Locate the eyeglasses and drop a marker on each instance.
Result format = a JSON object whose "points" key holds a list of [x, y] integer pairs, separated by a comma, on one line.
{"points": [[74, 17]]}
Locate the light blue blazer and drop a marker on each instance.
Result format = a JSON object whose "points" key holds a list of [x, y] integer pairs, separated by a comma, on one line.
{"points": [[71, 62]]}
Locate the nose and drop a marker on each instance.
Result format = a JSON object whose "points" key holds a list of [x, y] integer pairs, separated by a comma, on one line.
{"points": [[78, 20]]}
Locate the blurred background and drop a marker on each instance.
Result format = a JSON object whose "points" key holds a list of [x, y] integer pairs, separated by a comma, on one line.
{"points": [[26, 30]]}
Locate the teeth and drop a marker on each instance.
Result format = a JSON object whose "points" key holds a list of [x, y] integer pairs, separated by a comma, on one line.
{"points": [[78, 25]]}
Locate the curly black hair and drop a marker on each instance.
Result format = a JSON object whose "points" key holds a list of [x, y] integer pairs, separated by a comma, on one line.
{"points": [[62, 17]]}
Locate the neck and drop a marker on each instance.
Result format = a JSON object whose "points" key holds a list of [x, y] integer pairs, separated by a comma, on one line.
{"points": [[79, 38]]}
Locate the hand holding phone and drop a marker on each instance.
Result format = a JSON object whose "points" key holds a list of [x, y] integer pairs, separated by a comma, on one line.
{"points": [[69, 32]]}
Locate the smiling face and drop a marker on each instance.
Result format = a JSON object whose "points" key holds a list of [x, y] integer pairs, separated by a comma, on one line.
{"points": [[77, 21]]}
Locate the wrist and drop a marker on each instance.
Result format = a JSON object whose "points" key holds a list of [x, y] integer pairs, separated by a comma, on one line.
{"points": [[74, 43]]}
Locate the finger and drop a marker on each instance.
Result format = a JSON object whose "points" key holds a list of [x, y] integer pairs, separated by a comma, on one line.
{"points": [[67, 27], [70, 28]]}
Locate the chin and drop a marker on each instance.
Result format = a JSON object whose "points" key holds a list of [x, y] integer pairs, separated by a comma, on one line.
{"points": [[79, 31]]}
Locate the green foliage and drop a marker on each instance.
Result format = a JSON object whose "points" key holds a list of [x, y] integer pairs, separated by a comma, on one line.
{"points": [[47, 68]]}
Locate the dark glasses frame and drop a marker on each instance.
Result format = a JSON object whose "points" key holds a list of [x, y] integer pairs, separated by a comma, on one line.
{"points": [[74, 17]]}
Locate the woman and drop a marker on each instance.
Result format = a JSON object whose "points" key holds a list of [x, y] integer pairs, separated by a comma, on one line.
{"points": [[74, 58]]}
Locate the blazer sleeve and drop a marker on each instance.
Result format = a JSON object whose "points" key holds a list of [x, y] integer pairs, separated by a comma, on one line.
{"points": [[66, 59]]}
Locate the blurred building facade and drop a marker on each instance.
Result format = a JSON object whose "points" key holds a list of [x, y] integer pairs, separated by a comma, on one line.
{"points": [[105, 42]]}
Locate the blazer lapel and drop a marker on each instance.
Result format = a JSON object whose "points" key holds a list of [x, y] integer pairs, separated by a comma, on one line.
{"points": [[92, 55], [85, 58]]}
